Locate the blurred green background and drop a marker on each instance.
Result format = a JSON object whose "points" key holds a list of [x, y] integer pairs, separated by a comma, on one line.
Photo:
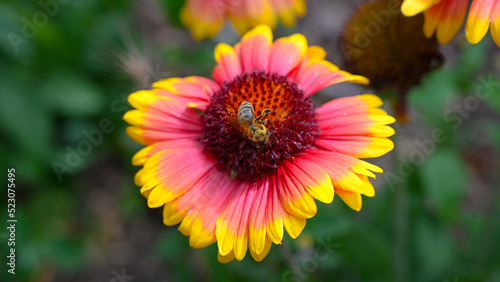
{"points": [[64, 79]]}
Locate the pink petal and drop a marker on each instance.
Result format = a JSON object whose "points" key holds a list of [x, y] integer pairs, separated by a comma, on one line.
{"points": [[255, 48], [286, 53], [257, 219], [228, 64], [200, 207], [171, 169], [193, 89], [294, 196]]}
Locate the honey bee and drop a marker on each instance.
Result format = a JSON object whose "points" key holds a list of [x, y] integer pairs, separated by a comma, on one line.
{"points": [[252, 127]]}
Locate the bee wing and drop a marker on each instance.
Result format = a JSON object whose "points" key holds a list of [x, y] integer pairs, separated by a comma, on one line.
{"points": [[234, 122]]}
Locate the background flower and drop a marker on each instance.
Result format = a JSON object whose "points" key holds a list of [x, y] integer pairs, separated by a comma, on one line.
{"points": [[390, 50], [445, 17], [223, 187], [206, 18]]}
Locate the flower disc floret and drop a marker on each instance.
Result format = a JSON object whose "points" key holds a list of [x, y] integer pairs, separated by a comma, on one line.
{"points": [[292, 124]]}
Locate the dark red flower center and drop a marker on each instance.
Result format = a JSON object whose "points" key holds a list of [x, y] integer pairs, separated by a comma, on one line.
{"points": [[291, 127]]}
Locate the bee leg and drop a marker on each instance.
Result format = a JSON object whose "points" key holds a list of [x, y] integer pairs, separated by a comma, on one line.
{"points": [[272, 125], [265, 112]]}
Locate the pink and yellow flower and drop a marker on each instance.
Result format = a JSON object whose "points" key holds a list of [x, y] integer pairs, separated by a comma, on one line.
{"points": [[223, 187], [445, 17], [205, 18]]}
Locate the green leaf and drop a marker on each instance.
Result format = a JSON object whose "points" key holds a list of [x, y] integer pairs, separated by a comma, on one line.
{"points": [[434, 248], [173, 10], [26, 124], [473, 56], [444, 177], [488, 90], [433, 96], [71, 94], [15, 44], [367, 252]]}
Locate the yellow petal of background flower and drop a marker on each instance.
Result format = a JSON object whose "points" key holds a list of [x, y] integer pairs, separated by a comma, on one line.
{"points": [[451, 19], [413, 7], [478, 20]]}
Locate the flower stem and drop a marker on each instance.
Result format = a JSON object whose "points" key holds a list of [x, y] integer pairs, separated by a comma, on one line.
{"points": [[401, 228]]}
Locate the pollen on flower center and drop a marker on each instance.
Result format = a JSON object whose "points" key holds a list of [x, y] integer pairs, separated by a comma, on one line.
{"points": [[292, 124]]}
